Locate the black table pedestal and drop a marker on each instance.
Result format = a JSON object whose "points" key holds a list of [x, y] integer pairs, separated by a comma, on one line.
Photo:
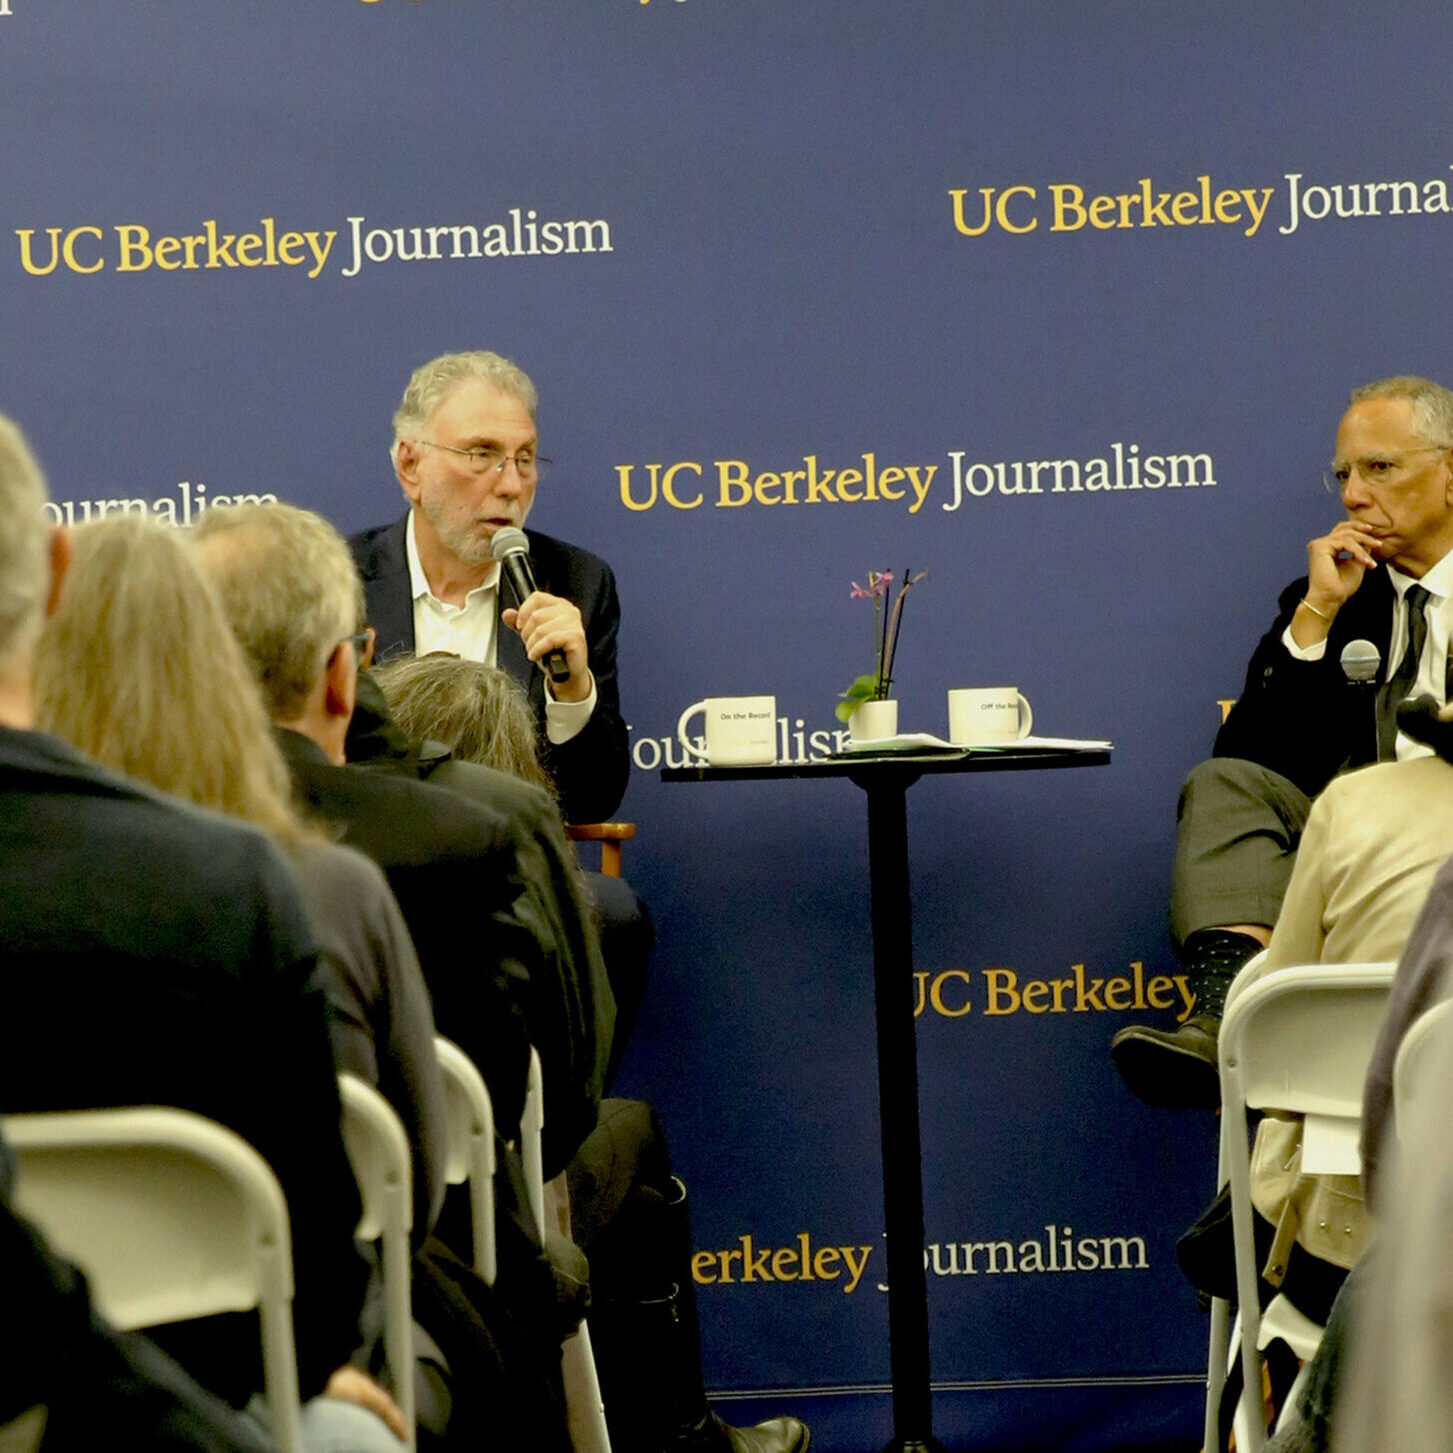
{"points": [[886, 781], [898, 1111]]}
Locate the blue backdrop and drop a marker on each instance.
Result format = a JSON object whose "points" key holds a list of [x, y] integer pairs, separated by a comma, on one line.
{"points": [[1030, 256]]}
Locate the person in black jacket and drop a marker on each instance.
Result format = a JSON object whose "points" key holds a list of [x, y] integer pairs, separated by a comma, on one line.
{"points": [[1382, 577], [466, 454]]}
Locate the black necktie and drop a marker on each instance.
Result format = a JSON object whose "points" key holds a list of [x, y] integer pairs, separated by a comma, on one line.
{"points": [[1395, 690]]}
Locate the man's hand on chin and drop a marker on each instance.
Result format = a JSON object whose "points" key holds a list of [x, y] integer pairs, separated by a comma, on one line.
{"points": [[548, 623]]}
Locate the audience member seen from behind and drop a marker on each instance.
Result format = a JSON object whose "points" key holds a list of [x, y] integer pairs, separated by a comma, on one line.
{"points": [[627, 1211], [477, 711], [134, 606], [156, 955], [292, 597], [480, 714]]}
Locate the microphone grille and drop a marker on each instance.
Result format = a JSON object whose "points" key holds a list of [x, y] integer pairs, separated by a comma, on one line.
{"points": [[1360, 660], [508, 541]]}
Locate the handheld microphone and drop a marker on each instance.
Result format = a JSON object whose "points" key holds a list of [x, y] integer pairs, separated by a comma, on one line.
{"points": [[512, 549], [1360, 660]]}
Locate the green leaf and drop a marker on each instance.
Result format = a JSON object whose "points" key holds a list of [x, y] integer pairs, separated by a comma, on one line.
{"points": [[865, 688]]}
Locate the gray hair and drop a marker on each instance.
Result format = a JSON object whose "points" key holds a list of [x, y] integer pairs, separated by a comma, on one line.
{"points": [[290, 590], [432, 381], [1432, 404], [479, 712], [24, 558]]}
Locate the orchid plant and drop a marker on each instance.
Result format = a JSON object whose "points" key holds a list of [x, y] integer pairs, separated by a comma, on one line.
{"points": [[876, 685]]}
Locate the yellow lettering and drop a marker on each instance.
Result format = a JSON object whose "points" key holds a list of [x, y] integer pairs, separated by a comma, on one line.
{"points": [[987, 193], [1001, 211], [1035, 992], [846, 477], [726, 1264], [133, 239], [1158, 992], [248, 246], [1226, 208], [891, 475], [1188, 997], [624, 472], [68, 249], [827, 1258], [857, 1268], [1001, 995], [735, 490], [701, 1263], [166, 248], [27, 261], [1118, 992], [935, 994], [1103, 207], [668, 486], [763, 487], [784, 1256], [1068, 200], [288, 246]]}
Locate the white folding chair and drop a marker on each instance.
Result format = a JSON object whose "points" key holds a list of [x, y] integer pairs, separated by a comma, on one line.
{"points": [[1220, 1336], [1427, 1044], [1297, 1040], [171, 1216], [378, 1151], [584, 1407], [470, 1159]]}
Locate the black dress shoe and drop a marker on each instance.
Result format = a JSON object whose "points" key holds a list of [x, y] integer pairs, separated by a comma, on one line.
{"points": [[1171, 1069], [776, 1435]]}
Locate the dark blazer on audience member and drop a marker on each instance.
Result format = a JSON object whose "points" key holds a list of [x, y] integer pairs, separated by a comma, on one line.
{"points": [[452, 869], [591, 769], [571, 1009], [157, 954], [1304, 719]]}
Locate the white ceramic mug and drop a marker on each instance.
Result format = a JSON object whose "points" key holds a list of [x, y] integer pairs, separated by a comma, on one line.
{"points": [[987, 714], [740, 731]]}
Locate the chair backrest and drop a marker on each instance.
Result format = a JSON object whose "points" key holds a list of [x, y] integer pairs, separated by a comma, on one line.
{"points": [[1427, 1044], [610, 836], [1300, 1040], [171, 1216], [532, 1129], [378, 1150], [470, 1160]]}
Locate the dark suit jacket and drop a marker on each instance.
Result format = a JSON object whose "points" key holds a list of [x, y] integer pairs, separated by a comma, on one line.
{"points": [[452, 869], [590, 769], [1304, 719], [571, 1008], [156, 954]]}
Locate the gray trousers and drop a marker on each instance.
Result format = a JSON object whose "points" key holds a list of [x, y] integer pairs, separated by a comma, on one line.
{"points": [[1238, 826]]}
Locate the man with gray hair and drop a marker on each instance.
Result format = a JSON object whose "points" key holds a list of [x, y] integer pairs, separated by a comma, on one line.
{"points": [[156, 955], [1379, 585], [466, 454], [290, 590]]}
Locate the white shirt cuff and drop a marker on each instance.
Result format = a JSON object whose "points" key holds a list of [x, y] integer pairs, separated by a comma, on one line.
{"points": [[566, 719], [1304, 653]]}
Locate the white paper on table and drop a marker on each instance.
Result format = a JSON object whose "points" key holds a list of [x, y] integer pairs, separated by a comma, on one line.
{"points": [[924, 742]]}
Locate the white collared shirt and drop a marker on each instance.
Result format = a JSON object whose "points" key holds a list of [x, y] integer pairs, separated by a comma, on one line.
{"points": [[468, 631], [1433, 665]]}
